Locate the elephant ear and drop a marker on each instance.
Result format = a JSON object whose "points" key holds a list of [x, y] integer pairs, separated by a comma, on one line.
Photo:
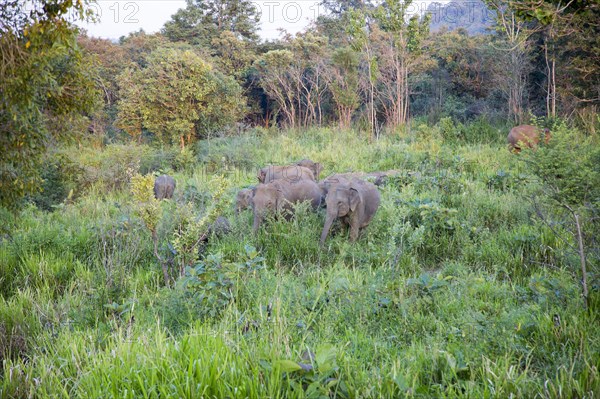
{"points": [[354, 198]]}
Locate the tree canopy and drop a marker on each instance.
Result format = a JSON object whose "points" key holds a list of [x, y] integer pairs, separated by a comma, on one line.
{"points": [[46, 85]]}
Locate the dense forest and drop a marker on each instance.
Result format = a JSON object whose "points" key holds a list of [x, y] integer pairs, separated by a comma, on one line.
{"points": [[478, 274]]}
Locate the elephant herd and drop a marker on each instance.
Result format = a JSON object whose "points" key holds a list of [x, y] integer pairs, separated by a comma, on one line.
{"points": [[346, 196]]}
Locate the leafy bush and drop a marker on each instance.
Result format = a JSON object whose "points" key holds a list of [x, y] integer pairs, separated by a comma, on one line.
{"points": [[106, 170]]}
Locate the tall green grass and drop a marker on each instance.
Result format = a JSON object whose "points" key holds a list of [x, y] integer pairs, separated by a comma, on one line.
{"points": [[454, 290]]}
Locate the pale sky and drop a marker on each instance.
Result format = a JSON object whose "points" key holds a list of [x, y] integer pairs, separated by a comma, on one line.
{"points": [[121, 17], [118, 18]]}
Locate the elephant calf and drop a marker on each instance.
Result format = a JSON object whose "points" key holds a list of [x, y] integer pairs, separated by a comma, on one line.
{"points": [[355, 202], [243, 199], [164, 186], [290, 173], [526, 136], [281, 195]]}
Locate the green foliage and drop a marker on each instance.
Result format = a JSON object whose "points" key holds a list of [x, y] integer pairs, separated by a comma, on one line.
{"points": [[47, 88], [202, 21], [344, 85], [146, 205], [452, 291], [190, 231], [178, 97], [86, 169], [568, 167], [212, 283]]}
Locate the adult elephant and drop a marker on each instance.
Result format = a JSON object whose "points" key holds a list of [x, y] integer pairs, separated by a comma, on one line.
{"points": [[281, 195], [528, 136], [290, 173], [355, 202], [314, 167], [164, 187]]}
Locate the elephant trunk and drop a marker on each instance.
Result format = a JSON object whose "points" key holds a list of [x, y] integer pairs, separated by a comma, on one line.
{"points": [[257, 220], [326, 227]]}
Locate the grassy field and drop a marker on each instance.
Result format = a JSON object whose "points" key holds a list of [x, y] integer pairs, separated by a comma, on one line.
{"points": [[455, 290]]}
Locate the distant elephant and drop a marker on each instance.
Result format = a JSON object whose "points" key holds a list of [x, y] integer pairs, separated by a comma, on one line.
{"points": [[355, 203], [280, 195], [164, 186], [243, 199], [314, 167], [289, 173], [526, 136]]}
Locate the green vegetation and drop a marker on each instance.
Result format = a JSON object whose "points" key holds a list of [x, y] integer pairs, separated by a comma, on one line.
{"points": [[478, 277], [455, 290]]}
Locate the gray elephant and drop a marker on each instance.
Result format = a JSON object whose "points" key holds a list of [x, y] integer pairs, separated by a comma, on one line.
{"points": [[164, 186], [290, 173], [355, 203], [281, 195], [526, 136], [243, 199], [326, 184], [338, 178], [315, 167]]}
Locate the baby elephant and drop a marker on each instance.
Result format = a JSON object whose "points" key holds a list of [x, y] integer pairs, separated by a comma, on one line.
{"points": [[355, 203], [243, 199], [164, 186], [280, 195], [290, 173], [526, 136]]}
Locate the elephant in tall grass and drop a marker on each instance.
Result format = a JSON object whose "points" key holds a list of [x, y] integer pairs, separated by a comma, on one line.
{"points": [[354, 202], [291, 173], [526, 136], [164, 187], [314, 167], [243, 199], [281, 195]]}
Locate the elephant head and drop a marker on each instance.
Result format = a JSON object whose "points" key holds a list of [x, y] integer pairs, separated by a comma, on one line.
{"points": [[243, 199], [267, 198], [342, 201]]}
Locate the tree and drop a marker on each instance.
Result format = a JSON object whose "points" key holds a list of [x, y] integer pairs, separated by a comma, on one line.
{"points": [[571, 47], [46, 85], [178, 97], [204, 20], [232, 55], [568, 169], [343, 84], [359, 31], [273, 72], [401, 55], [512, 70], [338, 8]]}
